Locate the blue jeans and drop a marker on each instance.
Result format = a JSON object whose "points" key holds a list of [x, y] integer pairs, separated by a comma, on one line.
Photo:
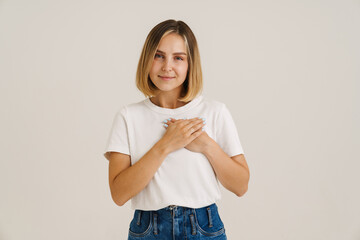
{"points": [[177, 223]]}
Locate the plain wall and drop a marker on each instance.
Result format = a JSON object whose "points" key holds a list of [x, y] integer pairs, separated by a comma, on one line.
{"points": [[287, 70]]}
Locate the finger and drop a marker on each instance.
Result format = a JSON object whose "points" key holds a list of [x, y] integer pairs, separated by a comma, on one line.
{"points": [[194, 124], [180, 122], [195, 128], [167, 121], [195, 135]]}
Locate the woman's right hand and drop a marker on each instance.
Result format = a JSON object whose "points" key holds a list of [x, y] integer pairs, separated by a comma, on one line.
{"points": [[181, 133]]}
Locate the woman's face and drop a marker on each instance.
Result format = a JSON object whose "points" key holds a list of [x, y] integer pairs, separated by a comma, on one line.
{"points": [[170, 65]]}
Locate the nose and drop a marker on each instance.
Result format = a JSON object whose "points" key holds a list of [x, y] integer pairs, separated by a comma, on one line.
{"points": [[167, 66]]}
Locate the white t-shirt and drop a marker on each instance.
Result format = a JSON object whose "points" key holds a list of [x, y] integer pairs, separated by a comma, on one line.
{"points": [[184, 178]]}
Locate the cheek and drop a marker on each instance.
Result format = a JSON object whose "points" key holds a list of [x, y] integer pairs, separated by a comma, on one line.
{"points": [[183, 69], [155, 68]]}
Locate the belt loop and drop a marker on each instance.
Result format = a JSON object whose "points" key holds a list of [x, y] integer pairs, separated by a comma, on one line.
{"points": [[155, 224], [209, 215], [193, 227], [139, 218]]}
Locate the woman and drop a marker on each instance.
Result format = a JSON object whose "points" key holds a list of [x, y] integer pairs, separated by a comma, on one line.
{"points": [[162, 153]]}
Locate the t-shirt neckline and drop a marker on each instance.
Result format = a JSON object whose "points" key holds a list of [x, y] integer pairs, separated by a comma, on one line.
{"points": [[178, 110]]}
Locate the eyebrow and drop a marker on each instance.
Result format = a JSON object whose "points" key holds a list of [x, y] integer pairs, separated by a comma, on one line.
{"points": [[177, 53]]}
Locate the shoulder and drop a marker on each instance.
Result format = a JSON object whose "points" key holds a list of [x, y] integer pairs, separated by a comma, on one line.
{"points": [[125, 109], [215, 105]]}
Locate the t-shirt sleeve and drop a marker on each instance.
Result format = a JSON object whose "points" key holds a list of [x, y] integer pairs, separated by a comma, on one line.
{"points": [[118, 140], [226, 133]]}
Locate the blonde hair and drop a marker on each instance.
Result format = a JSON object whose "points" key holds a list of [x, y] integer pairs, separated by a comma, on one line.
{"points": [[193, 83]]}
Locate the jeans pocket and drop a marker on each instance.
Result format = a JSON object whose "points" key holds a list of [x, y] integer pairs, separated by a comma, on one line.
{"points": [[141, 224], [208, 221]]}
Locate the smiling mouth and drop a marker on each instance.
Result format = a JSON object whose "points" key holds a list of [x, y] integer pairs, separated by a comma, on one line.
{"points": [[166, 77]]}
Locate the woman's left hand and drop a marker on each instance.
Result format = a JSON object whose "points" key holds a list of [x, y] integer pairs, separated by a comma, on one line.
{"points": [[198, 144]]}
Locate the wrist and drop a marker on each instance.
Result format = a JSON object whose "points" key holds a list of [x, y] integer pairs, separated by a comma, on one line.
{"points": [[162, 148], [211, 144]]}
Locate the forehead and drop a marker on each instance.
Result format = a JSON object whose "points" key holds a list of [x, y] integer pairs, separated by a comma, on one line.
{"points": [[172, 42]]}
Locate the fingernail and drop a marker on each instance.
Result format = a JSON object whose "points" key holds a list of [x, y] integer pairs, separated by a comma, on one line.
{"points": [[203, 129], [165, 121], [165, 125]]}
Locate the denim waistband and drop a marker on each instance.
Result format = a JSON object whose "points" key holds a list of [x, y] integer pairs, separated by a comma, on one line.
{"points": [[178, 207], [179, 221]]}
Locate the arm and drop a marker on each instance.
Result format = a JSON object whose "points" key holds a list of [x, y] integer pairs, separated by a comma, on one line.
{"points": [[232, 172], [126, 181]]}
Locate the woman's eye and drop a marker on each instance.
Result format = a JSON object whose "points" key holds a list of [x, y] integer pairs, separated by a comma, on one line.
{"points": [[158, 56], [179, 58]]}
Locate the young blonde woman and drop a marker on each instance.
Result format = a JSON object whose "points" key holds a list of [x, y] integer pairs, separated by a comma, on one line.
{"points": [[167, 153]]}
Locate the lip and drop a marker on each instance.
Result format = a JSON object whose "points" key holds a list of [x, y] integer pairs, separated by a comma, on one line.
{"points": [[166, 78]]}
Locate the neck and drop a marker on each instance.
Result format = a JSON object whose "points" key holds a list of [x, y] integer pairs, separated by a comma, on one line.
{"points": [[167, 101]]}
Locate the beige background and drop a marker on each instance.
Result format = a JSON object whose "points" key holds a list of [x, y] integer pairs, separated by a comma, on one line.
{"points": [[287, 70]]}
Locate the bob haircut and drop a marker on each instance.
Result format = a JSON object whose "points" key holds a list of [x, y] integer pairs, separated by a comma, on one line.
{"points": [[193, 83]]}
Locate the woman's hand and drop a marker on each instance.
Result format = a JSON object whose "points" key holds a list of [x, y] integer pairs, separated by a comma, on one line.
{"points": [[199, 143], [181, 132]]}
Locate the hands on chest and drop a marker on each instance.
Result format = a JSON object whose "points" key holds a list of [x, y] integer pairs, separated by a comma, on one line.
{"points": [[187, 133]]}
